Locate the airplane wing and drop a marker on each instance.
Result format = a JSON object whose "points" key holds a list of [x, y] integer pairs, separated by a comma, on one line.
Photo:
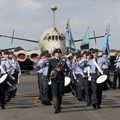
{"points": [[90, 38], [18, 38], [8, 49]]}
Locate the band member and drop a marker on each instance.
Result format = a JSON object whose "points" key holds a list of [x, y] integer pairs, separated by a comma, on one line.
{"points": [[105, 68], [5, 63], [77, 67], [16, 72], [96, 90], [2, 87], [46, 97], [87, 82], [57, 67], [38, 67], [117, 70]]}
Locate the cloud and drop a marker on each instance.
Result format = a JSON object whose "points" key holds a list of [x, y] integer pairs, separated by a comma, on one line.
{"points": [[31, 17], [30, 5]]}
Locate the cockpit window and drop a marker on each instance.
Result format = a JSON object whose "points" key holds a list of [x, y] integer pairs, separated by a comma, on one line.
{"points": [[45, 38], [56, 37], [53, 37], [49, 38], [60, 38]]}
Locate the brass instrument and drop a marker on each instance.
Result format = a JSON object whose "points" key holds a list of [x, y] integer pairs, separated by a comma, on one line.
{"points": [[59, 67]]}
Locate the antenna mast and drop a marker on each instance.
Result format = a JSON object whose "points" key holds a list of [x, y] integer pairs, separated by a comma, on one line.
{"points": [[54, 8]]}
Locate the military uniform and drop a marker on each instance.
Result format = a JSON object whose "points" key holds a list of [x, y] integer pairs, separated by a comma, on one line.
{"points": [[42, 69], [78, 71], [105, 68], [2, 89], [117, 73], [96, 89], [38, 67], [58, 81]]}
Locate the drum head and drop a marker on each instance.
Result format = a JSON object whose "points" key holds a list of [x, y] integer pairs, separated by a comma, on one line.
{"points": [[2, 79], [49, 82], [67, 81], [101, 79]]}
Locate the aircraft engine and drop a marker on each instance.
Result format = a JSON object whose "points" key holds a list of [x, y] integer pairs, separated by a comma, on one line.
{"points": [[21, 55], [33, 55]]}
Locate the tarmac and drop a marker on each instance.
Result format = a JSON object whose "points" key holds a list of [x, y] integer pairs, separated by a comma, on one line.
{"points": [[25, 107]]}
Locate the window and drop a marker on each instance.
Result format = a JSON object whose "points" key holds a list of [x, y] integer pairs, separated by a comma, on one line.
{"points": [[60, 38], [56, 37], [52, 37], [49, 38]]}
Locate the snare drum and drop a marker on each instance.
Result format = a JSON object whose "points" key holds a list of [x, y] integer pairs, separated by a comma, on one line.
{"points": [[3, 78], [67, 84], [8, 81], [67, 81]]}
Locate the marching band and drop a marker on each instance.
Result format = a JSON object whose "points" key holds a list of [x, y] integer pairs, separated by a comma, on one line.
{"points": [[86, 75]]}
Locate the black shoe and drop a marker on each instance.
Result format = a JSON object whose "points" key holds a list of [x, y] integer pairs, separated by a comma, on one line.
{"points": [[46, 103], [88, 104], [60, 109], [2, 107], [94, 106], [57, 111], [99, 107], [79, 99]]}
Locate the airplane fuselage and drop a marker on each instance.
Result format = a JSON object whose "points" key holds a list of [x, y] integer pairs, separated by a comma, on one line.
{"points": [[51, 39]]}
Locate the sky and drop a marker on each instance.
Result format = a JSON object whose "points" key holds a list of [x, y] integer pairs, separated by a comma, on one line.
{"points": [[30, 18]]}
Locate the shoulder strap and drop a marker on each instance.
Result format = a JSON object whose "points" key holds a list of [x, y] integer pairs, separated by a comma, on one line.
{"points": [[99, 69]]}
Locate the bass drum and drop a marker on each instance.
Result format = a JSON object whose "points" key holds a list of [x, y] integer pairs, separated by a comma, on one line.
{"points": [[101, 79], [67, 84]]}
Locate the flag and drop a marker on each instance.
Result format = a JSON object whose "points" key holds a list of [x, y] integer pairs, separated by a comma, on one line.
{"points": [[69, 35], [85, 42], [86, 36], [106, 48]]}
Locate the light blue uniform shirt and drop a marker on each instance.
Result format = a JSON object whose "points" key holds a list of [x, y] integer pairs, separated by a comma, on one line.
{"points": [[45, 69], [77, 67], [8, 65], [12, 66], [38, 67], [117, 64], [69, 64], [106, 63], [92, 65], [17, 68]]}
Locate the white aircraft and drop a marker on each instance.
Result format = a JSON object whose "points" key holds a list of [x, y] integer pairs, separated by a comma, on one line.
{"points": [[50, 39]]}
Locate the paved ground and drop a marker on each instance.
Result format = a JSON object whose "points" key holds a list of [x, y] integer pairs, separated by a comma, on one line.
{"points": [[24, 106]]}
